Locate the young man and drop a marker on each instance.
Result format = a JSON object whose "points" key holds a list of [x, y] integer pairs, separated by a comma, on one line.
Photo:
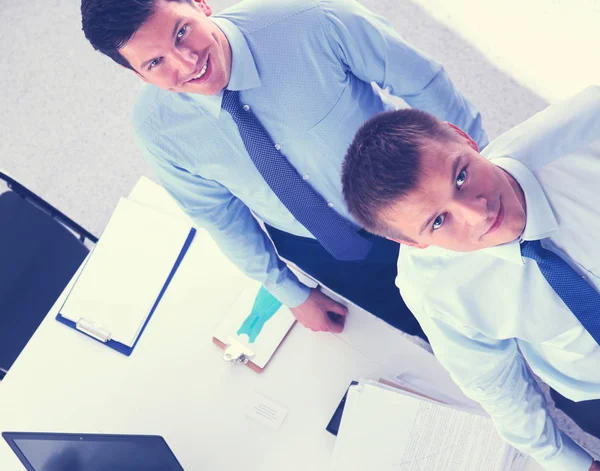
{"points": [[478, 264], [248, 115]]}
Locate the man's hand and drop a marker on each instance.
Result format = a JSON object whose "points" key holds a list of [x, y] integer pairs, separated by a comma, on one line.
{"points": [[595, 466], [312, 313]]}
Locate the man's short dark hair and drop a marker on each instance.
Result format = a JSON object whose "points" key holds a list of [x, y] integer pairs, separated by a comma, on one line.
{"points": [[110, 24], [382, 164]]}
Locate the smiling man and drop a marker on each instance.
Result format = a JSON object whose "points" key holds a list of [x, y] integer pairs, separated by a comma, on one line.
{"points": [[500, 260], [180, 49], [247, 116]]}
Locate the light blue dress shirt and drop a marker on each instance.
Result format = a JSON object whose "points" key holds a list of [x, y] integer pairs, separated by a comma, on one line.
{"points": [[305, 68], [485, 312]]}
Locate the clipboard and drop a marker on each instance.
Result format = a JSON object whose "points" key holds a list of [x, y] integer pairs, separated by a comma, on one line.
{"points": [[253, 328], [125, 276]]}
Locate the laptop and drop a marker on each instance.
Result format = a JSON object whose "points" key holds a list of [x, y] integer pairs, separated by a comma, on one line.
{"points": [[92, 452]]}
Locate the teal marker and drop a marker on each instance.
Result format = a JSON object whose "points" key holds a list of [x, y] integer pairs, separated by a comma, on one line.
{"points": [[265, 305]]}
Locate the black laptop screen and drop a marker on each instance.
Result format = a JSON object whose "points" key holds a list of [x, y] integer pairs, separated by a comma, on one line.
{"points": [[66, 452]]}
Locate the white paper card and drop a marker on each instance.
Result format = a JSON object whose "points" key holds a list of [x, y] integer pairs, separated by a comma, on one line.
{"points": [[126, 271], [266, 411]]}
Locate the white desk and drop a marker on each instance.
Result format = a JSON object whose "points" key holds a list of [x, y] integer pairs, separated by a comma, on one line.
{"points": [[176, 385]]}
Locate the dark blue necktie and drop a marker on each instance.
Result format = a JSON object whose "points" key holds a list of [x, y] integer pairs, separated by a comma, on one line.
{"points": [[579, 296], [309, 208]]}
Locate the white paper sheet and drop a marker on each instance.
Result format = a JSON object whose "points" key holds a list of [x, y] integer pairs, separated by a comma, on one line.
{"points": [[127, 270]]}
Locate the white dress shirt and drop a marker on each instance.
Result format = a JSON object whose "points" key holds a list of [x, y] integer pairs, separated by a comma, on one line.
{"points": [[486, 311]]}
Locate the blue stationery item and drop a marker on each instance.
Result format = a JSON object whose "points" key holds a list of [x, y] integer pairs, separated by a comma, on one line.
{"points": [[265, 305], [126, 275], [90, 452], [334, 232], [579, 296], [334, 423]]}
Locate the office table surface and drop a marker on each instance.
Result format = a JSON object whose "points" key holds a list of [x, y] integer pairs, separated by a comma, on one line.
{"points": [[175, 383]]}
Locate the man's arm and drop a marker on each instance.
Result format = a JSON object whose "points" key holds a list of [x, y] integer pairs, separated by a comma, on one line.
{"points": [[493, 373], [373, 51], [240, 237]]}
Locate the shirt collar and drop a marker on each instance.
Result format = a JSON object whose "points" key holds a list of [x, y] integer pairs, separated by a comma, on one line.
{"points": [[244, 74], [541, 222]]}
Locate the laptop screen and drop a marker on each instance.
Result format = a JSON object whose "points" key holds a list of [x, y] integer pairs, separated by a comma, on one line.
{"points": [[90, 452]]}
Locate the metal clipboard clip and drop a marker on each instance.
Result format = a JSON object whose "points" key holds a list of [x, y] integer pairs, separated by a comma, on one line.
{"points": [[93, 330], [236, 352]]}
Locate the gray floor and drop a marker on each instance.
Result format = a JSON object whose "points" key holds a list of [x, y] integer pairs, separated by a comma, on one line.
{"points": [[64, 109]]}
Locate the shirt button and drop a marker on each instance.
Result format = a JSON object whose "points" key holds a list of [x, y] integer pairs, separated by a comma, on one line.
{"points": [[246, 107], [277, 146], [305, 177], [330, 204]]}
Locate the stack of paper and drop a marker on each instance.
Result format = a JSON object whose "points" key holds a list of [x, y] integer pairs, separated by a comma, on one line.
{"points": [[386, 428]]}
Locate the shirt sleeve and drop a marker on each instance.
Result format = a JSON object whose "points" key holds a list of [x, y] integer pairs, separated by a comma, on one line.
{"points": [[373, 51], [231, 224], [493, 373]]}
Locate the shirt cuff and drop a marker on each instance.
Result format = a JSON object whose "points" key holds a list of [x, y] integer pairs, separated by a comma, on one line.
{"points": [[570, 458], [290, 292]]}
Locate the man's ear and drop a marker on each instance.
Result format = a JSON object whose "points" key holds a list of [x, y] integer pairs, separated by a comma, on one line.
{"points": [[463, 134], [412, 243], [204, 6], [142, 78]]}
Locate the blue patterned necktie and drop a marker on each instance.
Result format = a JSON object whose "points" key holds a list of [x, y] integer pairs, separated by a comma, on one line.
{"points": [[579, 296], [334, 232]]}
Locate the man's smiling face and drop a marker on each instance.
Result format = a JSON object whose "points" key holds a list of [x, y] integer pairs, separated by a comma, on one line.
{"points": [[462, 201], [180, 49]]}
